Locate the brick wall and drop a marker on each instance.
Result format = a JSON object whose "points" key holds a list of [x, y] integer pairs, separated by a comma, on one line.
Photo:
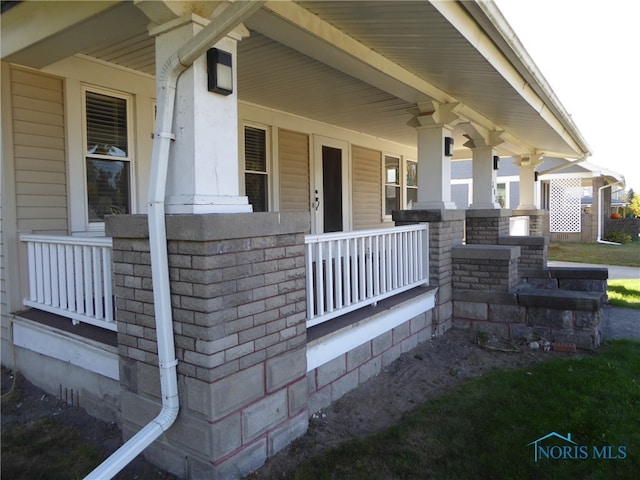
{"points": [[446, 230], [533, 250], [239, 311], [485, 267], [485, 226]]}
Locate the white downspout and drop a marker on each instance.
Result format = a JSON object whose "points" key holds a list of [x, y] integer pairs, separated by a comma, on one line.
{"points": [[235, 14], [600, 225]]}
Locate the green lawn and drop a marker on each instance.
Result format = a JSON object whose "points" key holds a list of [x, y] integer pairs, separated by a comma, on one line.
{"points": [[482, 430], [625, 255], [624, 293]]}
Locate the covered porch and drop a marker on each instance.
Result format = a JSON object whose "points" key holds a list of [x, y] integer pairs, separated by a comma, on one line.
{"points": [[267, 199]]}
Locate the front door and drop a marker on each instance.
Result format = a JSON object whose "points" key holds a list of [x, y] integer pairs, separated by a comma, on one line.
{"points": [[331, 192]]}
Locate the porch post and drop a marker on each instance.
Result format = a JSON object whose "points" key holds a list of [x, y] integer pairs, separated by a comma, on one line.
{"points": [[203, 174], [482, 143], [528, 165], [484, 179], [434, 123]]}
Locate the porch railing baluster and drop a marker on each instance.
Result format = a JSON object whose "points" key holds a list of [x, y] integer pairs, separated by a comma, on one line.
{"points": [[350, 270], [71, 276]]}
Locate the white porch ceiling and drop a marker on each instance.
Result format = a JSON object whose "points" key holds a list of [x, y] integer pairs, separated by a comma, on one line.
{"points": [[284, 66]]}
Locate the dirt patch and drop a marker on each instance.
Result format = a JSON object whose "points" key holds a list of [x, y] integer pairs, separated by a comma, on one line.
{"points": [[23, 404], [417, 376]]}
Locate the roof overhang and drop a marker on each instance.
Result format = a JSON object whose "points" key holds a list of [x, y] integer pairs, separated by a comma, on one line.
{"points": [[361, 65]]}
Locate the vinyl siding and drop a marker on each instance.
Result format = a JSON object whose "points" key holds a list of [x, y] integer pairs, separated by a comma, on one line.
{"points": [[293, 153], [367, 188], [39, 152]]}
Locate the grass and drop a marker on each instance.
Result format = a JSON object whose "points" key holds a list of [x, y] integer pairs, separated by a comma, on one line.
{"points": [[45, 449], [624, 255], [624, 293], [483, 428]]}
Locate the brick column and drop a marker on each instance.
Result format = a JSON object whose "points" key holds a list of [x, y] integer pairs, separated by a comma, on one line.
{"points": [[536, 220], [446, 228], [485, 226], [239, 311], [533, 250]]}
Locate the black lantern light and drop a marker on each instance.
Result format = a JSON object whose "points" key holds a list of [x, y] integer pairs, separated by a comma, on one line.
{"points": [[448, 146], [219, 71]]}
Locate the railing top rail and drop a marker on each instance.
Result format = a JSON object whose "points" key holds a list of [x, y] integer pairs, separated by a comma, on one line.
{"points": [[68, 240], [323, 237]]}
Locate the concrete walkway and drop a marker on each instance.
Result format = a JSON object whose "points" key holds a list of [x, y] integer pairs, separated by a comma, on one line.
{"points": [[619, 322], [616, 322]]}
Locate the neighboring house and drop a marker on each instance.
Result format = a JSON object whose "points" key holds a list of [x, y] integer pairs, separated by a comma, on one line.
{"points": [[579, 220], [304, 167]]}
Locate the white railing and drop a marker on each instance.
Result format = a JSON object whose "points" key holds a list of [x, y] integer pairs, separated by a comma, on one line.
{"points": [[71, 276], [349, 270]]}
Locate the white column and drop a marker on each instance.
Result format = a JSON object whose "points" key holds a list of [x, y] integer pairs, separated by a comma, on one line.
{"points": [[434, 169], [434, 123], [484, 179], [204, 174], [528, 165]]}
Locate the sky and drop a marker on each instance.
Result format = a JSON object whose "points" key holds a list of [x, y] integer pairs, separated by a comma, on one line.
{"points": [[589, 52]]}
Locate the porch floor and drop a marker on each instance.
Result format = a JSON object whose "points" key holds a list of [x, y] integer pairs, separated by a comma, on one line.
{"points": [[363, 313], [65, 324]]}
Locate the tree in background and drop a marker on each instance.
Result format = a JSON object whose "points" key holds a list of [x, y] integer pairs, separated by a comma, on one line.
{"points": [[634, 203]]}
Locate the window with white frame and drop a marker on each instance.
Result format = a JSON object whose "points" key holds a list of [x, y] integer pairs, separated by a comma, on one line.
{"points": [[108, 154], [391, 184], [400, 184], [501, 195], [411, 187], [256, 176]]}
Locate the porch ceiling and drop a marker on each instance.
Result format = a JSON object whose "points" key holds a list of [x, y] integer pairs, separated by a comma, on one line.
{"points": [[286, 66]]}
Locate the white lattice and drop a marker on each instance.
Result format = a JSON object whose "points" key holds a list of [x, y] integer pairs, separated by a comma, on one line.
{"points": [[564, 205]]}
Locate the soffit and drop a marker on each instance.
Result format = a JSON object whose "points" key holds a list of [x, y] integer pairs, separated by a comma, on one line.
{"points": [[412, 34]]}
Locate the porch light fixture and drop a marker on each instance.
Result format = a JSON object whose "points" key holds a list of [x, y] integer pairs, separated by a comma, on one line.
{"points": [[219, 71], [448, 146], [496, 162], [535, 176]]}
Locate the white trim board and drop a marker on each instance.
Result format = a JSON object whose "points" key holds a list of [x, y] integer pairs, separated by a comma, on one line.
{"points": [[87, 354], [333, 345]]}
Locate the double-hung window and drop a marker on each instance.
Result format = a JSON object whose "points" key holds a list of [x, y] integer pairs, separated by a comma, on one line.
{"points": [[391, 184], [256, 176], [411, 186], [400, 184], [108, 154]]}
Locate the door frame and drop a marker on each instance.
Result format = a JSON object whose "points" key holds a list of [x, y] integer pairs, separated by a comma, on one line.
{"points": [[317, 214]]}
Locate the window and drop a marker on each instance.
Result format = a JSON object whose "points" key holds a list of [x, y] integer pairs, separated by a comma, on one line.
{"points": [[400, 184], [501, 195], [391, 184], [255, 168], [107, 155], [411, 196]]}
